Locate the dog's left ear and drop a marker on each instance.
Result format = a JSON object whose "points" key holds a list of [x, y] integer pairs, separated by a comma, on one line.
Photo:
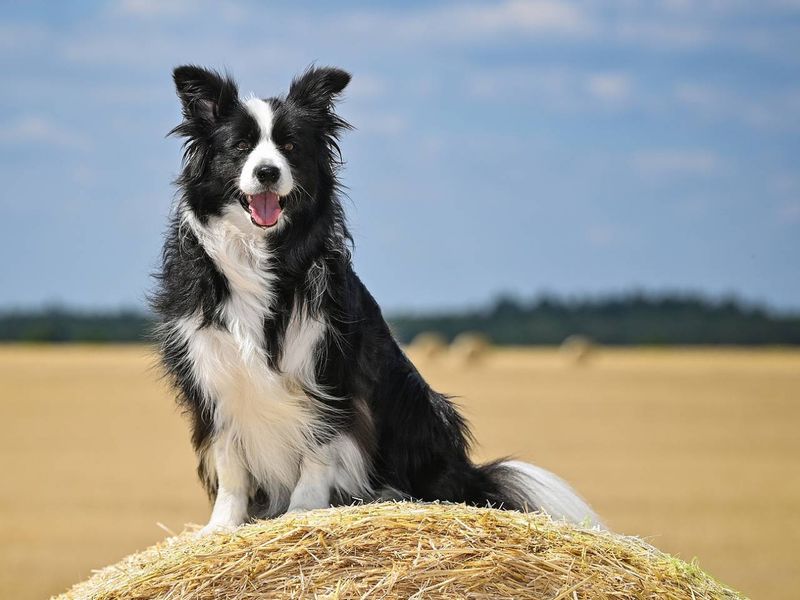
{"points": [[318, 87]]}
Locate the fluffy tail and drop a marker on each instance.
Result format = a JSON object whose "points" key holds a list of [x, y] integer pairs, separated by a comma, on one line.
{"points": [[531, 488]]}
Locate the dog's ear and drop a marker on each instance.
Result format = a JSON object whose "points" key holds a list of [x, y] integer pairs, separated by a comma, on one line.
{"points": [[205, 95], [318, 87]]}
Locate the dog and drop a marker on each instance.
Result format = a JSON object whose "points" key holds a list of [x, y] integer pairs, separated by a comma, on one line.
{"points": [[299, 396]]}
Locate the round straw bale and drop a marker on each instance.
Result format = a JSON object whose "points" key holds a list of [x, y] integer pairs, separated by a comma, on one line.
{"points": [[403, 550], [469, 347], [428, 345], [577, 348]]}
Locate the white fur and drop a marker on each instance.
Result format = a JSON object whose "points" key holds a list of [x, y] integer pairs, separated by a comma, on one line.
{"points": [[338, 465], [233, 488], [264, 423], [265, 153], [304, 332], [548, 492]]}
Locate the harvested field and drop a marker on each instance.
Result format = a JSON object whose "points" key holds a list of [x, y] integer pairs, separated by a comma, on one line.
{"points": [[696, 450]]}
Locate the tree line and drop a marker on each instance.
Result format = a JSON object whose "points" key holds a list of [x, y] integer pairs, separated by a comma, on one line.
{"points": [[630, 319]]}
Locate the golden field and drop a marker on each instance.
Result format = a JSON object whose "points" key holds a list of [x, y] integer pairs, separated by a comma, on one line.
{"points": [[696, 450]]}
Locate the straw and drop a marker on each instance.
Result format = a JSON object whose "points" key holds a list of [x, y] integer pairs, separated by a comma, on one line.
{"points": [[403, 550]]}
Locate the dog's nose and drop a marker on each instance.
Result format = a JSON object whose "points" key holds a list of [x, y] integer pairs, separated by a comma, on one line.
{"points": [[267, 173]]}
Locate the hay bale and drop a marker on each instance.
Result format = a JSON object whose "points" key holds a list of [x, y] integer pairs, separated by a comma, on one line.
{"points": [[428, 345], [469, 348], [577, 349], [403, 550]]}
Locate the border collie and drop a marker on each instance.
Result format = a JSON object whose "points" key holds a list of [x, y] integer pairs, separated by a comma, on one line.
{"points": [[299, 396]]}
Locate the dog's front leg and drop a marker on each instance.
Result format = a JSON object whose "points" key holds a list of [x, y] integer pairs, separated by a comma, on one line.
{"points": [[339, 467], [313, 489], [233, 489]]}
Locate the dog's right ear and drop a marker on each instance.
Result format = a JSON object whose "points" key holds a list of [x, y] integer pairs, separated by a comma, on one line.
{"points": [[205, 95]]}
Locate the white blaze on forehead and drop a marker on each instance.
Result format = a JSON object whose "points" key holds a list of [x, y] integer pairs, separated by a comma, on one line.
{"points": [[262, 112], [265, 153]]}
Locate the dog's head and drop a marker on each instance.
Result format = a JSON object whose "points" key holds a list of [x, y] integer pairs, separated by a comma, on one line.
{"points": [[261, 163]]}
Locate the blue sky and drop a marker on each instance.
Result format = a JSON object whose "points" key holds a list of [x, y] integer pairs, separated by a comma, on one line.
{"points": [[519, 147]]}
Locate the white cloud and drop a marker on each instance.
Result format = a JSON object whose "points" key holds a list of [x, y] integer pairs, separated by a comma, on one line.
{"points": [[154, 8], [37, 129], [565, 89], [676, 162], [472, 23], [520, 16], [661, 25], [732, 26], [169, 9]]}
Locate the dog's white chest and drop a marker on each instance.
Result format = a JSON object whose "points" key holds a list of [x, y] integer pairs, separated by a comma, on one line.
{"points": [[263, 415]]}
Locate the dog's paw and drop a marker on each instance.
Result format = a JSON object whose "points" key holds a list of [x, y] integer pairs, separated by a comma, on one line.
{"points": [[213, 528], [301, 507]]}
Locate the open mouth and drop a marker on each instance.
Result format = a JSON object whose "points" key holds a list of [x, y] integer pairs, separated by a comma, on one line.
{"points": [[265, 209]]}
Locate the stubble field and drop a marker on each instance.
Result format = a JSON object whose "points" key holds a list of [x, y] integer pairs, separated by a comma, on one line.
{"points": [[696, 450]]}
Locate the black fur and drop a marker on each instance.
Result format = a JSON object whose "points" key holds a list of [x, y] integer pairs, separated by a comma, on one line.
{"points": [[414, 438]]}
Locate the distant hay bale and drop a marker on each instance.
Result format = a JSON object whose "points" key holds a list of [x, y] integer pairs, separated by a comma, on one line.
{"points": [[403, 550], [469, 347], [428, 345], [577, 348]]}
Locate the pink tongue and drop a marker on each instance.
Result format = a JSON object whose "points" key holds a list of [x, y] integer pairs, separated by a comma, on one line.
{"points": [[265, 209]]}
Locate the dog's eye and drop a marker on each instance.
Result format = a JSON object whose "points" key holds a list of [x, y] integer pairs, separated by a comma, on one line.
{"points": [[287, 147], [243, 146]]}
